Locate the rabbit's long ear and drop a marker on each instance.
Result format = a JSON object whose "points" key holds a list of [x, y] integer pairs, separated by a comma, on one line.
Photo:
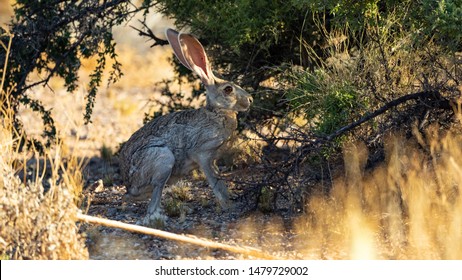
{"points": [[196, 57], [173, 38]]}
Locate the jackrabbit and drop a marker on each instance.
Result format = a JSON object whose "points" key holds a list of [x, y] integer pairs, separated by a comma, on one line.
{"points": [[175, 144]]}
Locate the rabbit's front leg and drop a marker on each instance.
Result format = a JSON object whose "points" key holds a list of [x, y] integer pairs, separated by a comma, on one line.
{"points": [[219, 188]]}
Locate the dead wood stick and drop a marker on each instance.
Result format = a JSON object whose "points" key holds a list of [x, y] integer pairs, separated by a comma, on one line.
{"points": [[249, 251]]}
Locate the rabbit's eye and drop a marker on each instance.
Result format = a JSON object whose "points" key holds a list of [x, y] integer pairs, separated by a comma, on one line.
{"points": [[228, 89]]}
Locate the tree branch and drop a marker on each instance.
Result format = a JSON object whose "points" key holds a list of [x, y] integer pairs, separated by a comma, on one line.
{"points": [[150, 35], [431, 96]]}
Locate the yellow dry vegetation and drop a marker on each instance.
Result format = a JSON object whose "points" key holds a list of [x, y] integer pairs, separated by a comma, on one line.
{"points": [[409, 207], [34, 223], [38, 196]]}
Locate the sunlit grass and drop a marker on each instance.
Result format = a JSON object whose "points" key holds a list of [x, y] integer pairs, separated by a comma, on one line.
{"points": [[40, 193], [409, 207]]}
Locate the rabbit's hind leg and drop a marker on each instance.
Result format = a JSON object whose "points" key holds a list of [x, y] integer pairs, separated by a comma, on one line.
{"points": [[160, 161]]}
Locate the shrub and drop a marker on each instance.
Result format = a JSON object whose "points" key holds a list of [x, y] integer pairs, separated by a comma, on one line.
{"points": [[327, 104], [35, 224], [51, 38]]}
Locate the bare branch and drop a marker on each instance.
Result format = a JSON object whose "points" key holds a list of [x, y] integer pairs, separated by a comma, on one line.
{"points": [[150, 35], [432, 96]]}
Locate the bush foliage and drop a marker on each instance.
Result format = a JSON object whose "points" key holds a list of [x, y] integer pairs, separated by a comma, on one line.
{"points": [[333, 60], [51, 38]]}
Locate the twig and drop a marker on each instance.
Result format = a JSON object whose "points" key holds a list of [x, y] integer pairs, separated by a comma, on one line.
{"points": [[150, 34], [432, 96], [249, 251]]}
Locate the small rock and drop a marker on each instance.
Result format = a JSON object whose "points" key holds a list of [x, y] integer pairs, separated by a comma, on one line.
{"points": [[98, 186]]}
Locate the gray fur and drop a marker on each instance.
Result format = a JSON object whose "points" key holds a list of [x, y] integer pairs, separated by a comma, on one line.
{"points": [[173, 145]]}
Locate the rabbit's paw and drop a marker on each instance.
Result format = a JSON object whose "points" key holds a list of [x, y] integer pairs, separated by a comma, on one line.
{"points": [[156, 220]]}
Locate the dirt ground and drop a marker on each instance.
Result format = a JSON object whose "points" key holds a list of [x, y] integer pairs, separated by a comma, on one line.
{"points": [[196, 214]]}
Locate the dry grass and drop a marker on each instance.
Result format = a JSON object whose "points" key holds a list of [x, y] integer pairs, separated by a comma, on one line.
{"points": [[408, 208], [36, 223]]}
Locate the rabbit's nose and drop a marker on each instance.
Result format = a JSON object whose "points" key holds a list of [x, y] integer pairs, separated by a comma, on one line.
{"points": [[250, 99]]}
